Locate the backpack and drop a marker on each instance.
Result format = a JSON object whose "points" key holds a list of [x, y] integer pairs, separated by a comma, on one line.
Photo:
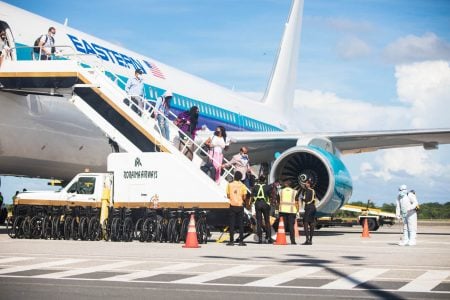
{"points": [[36, 48]]}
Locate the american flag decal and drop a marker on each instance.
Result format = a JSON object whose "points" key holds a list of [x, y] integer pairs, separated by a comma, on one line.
{"points": [[155, 70]]}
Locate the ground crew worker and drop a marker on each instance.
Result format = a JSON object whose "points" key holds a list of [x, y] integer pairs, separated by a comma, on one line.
{"points": [[406, 209], [289, 207], [308, 196], [261, 192], [236, 192]]}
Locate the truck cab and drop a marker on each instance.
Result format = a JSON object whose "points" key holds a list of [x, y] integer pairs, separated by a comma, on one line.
{"points": [[84, 189]]}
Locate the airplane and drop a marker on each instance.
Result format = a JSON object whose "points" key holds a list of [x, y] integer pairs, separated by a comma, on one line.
{"points": [[44, 120]]}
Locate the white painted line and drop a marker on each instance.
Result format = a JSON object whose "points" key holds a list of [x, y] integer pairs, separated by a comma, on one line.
{"points": [[284, 277], [13, 259], [217, 274], [354, 279], [80, 271], [426, 282], [158, 271], [40, 266]]}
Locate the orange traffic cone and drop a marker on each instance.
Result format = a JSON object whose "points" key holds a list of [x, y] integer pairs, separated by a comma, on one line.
{"points": [[365, 233], [191, 238], [281, 234], [297, 232]]}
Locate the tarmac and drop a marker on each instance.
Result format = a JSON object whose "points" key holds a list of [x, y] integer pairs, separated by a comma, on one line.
{"points": [[339, 264]]}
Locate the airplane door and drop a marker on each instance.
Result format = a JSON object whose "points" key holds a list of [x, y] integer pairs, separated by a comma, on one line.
{"points": [[12, 54]]}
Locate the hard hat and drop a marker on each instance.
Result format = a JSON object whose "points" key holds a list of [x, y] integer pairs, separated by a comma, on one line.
{"points": [[167, 93], [402, 187]]}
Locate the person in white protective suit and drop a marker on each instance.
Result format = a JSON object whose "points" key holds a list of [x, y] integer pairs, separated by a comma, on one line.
{"points": [[406, 210]]}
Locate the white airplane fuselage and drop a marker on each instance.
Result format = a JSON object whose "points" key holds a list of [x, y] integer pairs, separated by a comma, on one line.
{"points": [[46, 136]]}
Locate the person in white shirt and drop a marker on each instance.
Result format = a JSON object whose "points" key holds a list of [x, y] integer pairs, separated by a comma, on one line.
{"points": [[406, 210], [47, 44], [135, 89]]}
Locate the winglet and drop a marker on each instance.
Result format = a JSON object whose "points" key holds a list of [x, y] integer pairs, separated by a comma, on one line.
{"points": [[279, 93]]}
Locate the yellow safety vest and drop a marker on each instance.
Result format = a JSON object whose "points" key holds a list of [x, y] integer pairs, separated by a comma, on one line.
{"points": [[287, 201], [235, 193]]}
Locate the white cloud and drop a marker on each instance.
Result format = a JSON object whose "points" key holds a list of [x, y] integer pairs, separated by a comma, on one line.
{"points": [[322, 111], [353, 47], [412, 48], [426, 88], [424, 101]]}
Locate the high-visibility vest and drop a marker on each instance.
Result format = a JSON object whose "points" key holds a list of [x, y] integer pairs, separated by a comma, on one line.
{"points": [[260, 194], [235, 193], [287, 201]]}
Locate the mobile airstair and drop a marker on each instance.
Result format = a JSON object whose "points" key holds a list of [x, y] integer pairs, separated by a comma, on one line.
{"points": [[99, 95]]}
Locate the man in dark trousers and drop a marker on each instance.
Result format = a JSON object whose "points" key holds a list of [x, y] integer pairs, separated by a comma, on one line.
{"points": [[236, 192], [289, 207], [308, 196], [261, 192]]}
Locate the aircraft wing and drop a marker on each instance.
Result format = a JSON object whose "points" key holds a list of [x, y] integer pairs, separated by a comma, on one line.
{"points": [[264, 145]]}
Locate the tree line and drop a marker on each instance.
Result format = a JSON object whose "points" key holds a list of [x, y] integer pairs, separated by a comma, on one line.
{"points": [[432, 210]]}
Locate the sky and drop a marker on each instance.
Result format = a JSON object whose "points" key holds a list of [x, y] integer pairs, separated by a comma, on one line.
{"points": [[363, 65]]}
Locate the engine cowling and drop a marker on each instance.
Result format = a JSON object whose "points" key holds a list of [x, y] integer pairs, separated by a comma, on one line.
{"points": [[331, 179]]}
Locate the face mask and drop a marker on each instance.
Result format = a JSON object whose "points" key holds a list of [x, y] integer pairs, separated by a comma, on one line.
{"points": [[139, 76], [217, 133]]}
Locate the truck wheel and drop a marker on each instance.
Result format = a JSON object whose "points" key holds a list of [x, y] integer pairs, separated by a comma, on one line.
{"points": [[127, 231], [26, 227], [94, 230], [83, 228], [74, 229], [36, 227], [138, 230], [184, 229], [47, 227], [106, 229], [56, 227], [371, 223], [67, 227], [17, 230]]}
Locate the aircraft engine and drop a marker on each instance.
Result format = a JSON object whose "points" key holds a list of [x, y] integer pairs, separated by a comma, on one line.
{"points": [[331, 180]]}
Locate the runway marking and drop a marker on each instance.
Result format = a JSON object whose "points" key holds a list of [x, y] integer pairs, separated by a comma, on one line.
{"points": [[353, 279], [74, 272], [284, 277], [158, 271], [217, 274], [40, 266], [13, 259], [426, 282]]}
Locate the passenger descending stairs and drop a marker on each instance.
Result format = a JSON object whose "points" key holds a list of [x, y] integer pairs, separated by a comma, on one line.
{"points": [[102, 101]]}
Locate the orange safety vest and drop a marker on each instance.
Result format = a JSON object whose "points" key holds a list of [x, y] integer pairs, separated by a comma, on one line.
{"points": [[235, 193], [287, 201]]}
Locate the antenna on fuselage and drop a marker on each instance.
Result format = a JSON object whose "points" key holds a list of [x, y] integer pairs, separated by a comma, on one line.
{"points": [[279, 93], [66, 22]]}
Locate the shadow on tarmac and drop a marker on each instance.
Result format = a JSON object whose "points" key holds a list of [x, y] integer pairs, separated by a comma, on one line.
{"points": [[368, 287]]}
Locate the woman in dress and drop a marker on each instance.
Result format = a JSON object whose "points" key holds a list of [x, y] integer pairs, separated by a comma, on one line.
{"points": [[217, 145]]}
